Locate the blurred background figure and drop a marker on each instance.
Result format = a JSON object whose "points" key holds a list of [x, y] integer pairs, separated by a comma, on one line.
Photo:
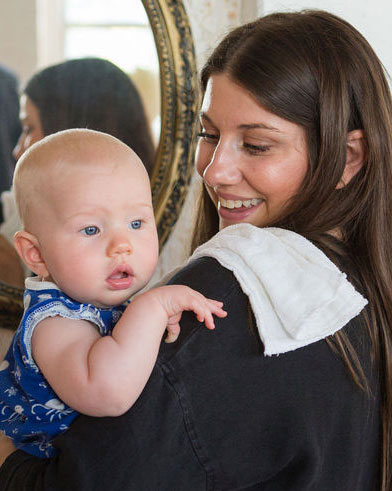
{"points": [[87, 93], [10, 127], [82, 93]]}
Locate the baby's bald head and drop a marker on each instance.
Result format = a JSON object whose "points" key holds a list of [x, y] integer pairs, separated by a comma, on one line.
{"points": [[43, 168]]}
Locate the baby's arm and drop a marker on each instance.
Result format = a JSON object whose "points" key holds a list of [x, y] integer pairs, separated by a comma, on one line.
{"points": [[103, 376]]}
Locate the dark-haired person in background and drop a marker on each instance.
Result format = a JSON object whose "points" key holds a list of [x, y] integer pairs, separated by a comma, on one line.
{"points": [[10, 127]]}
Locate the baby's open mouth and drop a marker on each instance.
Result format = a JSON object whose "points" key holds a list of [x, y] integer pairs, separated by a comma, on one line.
{"points": [[120, 274], [121, 277]]}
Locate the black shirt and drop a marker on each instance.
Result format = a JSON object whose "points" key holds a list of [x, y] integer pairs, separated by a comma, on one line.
{"points": [[218, 415]]}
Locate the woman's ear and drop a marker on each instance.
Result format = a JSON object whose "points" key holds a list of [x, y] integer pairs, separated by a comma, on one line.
{"points": [[27, 247], [355, 157]]}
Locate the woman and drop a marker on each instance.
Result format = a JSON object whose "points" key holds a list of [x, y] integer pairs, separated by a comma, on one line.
{"points": [[296, 133], [83, 93]]}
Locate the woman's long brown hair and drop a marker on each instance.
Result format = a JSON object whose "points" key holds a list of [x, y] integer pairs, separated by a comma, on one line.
{"points": [[316, 70]]}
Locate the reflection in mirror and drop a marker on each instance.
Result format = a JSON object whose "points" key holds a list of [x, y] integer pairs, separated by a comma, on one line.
{"points": [[114, 30]]}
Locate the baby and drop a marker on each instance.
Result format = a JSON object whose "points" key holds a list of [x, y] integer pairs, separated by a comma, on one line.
{"points": [[90, 237]]}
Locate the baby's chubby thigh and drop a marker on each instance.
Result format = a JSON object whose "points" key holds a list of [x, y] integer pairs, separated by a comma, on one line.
{"points": [[6, 447], [5, 340]]}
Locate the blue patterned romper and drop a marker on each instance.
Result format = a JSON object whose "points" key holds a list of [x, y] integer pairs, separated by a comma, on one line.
{"points": [[30, 411]]}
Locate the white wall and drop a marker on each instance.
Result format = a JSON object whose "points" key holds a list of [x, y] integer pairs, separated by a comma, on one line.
{"points": [[372, 18], [210, 20], [18, 36]]}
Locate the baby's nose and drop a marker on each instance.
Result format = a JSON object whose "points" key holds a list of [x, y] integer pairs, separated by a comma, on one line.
{"points": [[119, 246]]}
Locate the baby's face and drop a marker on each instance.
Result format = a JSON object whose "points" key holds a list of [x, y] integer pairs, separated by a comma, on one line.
{"points": [[97, 234]]}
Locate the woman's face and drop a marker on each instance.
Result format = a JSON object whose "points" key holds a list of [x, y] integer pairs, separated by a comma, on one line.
{"points": [[31, 126], [252, 161]]}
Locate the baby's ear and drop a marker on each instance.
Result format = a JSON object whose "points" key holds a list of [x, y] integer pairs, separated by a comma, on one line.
{"points": [[27, 247]]}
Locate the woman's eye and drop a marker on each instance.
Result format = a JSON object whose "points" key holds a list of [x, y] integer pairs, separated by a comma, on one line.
{"points": [[209, 137], [90, 230], [135, 224], [256, 149]]}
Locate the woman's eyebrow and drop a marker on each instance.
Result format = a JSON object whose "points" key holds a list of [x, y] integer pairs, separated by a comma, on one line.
{"points": [[245, 126], [203, 115], [257, 125]]}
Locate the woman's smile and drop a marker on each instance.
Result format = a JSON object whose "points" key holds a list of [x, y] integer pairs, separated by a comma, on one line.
{"points": [[237, 210], [239, 203]]}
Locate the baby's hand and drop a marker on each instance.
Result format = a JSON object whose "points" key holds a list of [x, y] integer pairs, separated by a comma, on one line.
{"points": [[177, 298]]}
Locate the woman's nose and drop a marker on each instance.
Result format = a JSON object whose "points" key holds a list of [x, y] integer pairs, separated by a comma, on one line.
{"points": [[118, 246], [223, 168]]}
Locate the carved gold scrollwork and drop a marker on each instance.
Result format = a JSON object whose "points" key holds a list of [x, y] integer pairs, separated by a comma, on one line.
{"points": [[173, 168]]}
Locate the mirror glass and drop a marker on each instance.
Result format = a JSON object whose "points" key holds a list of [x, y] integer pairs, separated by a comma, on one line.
{"points": [[119, 31]]}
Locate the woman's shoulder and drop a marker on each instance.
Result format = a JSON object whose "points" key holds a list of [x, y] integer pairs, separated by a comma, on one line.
{"points": [[208, 276]]}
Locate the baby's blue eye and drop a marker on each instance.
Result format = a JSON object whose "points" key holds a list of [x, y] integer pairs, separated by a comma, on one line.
{"points": [[135, 224], [90, 230]]}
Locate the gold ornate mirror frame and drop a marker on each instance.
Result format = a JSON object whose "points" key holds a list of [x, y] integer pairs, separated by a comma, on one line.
{"points": [[178, 73], [175, 152]]}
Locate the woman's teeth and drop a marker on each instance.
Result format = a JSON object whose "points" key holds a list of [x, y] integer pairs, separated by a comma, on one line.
{"points": [[238, 203]]}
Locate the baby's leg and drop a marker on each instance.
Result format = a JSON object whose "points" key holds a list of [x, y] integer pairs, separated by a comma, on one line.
{"points": [[6, 447], [5, 340]]}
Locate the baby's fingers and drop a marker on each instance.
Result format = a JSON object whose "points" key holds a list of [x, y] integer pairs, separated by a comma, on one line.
{"points": [[216, 308], [173, 330], [207, 318], [205, 310]]}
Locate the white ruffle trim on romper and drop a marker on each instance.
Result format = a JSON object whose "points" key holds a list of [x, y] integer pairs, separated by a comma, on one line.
{"points": [[54, 308]]}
